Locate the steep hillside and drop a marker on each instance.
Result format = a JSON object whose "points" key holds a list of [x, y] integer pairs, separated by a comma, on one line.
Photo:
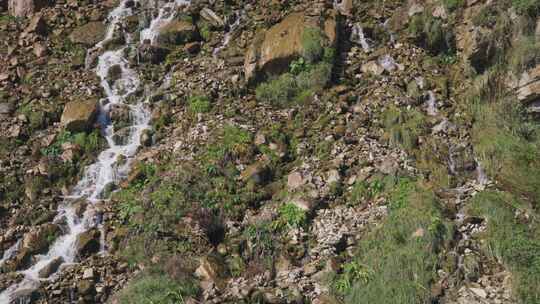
{"points": [[307, 151]]}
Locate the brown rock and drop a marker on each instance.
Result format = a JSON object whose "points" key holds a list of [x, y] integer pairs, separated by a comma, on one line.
{"points": [[50, 268], [79, 115], [273, 50], [24, 8], [177, 33], [88, 34], [37, 25], [88, 242]]}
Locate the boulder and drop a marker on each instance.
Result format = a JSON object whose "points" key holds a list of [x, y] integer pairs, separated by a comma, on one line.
{"points": [[210, 16], [259, 173], [273, 50], [50, 268], [88, 34], [177, 33], [79, 115], [88, 242], [24, 8], [151, 53], [211, 269], [38, 240]]}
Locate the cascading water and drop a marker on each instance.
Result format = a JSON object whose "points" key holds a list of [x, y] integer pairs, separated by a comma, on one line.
{"points": [[113, 164], [229, 33], [10, 252], [359, 37], [166, 14], [431, 104]]}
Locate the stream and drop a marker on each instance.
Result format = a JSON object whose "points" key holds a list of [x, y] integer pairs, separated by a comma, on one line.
{"points": [[112, 165]]}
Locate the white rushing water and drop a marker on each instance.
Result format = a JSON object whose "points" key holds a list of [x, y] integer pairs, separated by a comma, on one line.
{"points": [[431, 104], [358, 36], [114, 163], [166, 14], [228, 35]]}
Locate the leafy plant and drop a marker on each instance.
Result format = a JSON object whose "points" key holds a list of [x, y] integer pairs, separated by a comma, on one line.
{"points": [[290, 215], [312, 44], [199, 104]]}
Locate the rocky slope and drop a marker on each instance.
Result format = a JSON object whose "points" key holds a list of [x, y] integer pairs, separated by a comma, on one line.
{"points": [[299, 151]]}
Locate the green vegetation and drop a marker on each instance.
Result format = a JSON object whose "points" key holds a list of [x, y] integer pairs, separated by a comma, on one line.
{"points": [[487, 16], [307, 75], [397, 261], [158, 288], [528, 7], [199, 104], [453, 5], [403, 127], [312, 44], [89, 143], [514, 240], [290, 215], [524, 55], [430, 33], [505, 139], [366, 190]]}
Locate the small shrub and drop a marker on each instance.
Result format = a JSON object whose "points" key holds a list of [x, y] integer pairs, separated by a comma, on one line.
{"points": [[278, 91], [452, 5], [199, 104], [314, 79], [487, 16], [312, 44], [527, 7], [290, 215]]}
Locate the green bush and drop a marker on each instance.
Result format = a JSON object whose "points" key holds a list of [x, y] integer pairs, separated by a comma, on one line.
{"points": [[528, 7], [312, 44], [452, 5], [199, 104], [290, 215], [487, 16], [277, 91], [430, 33]]}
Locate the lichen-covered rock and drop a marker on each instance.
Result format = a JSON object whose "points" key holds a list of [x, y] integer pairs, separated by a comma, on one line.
{"points": [[79, 115], [88, 34]]}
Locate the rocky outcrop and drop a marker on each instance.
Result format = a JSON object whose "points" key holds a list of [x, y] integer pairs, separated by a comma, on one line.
{"points": [[177, 33], [273, 50], [79, 115], [528, 89], [24, 8], [88, 34]]}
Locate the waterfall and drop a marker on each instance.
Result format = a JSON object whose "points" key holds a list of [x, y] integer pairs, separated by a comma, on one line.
{"points": [[359, 37], [108, 169], [431, 104], [229, 33]]}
